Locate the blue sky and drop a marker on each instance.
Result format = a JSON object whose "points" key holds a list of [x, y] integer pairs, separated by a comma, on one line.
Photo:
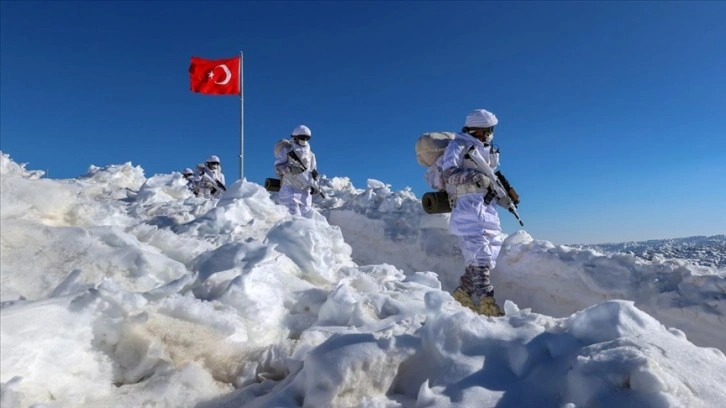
{"points": [[612, 114]]}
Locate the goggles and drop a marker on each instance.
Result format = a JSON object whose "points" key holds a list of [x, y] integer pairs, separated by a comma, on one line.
{"points": [[213, 165], [301, 137], [482, 131]]}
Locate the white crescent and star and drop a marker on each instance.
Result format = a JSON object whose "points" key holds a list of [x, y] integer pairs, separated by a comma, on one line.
{"points": [[227, 72]]}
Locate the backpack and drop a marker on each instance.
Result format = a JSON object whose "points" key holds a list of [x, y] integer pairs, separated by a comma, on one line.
{"points": [[280, 144], [273, 184], [430, 147]]}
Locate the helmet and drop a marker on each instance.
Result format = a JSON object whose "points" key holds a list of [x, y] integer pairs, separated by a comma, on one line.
{"points": [[212, 162], [480, 118], [302, 130], [301, 135], [187, 172], [480, 124]]}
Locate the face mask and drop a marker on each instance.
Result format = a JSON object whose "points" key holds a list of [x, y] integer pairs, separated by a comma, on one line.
{"points": [[302, 141], [485, 137]]}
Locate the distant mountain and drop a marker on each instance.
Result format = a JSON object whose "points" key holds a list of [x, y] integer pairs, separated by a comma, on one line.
{"points": [[707, 251]]}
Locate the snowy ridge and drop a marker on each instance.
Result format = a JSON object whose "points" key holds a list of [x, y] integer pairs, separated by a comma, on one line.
{"points": [[702, 250], [120, 290], [399, 233]]}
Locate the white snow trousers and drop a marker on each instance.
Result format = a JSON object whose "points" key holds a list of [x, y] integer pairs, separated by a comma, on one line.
{"points": [[478, 228], [297, 200]]}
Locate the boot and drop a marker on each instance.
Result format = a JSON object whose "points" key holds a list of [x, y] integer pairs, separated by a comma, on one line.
{"points": [[488, 307], [462, 297]]}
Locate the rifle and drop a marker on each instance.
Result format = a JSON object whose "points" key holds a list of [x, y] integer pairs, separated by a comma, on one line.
{"points": [[213, 189], [294, 157], [511, 192], [496, 187]]}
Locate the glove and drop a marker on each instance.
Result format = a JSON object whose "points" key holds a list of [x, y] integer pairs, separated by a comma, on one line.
{"points": [[505, 202]]}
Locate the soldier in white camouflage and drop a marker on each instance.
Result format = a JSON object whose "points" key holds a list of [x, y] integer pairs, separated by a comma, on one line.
{"points": [[296, 165], [474, 220]]}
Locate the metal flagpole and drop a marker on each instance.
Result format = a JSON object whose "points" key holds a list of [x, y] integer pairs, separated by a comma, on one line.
{"points": [[241, 120]]}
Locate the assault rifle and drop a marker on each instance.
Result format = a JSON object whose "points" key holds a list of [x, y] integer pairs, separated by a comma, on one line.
{"points": [[497, 188], [213, 189], [295, 158], [511, 192]]}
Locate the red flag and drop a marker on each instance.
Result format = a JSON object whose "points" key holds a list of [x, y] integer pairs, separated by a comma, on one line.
{"points": [[215, 77]]}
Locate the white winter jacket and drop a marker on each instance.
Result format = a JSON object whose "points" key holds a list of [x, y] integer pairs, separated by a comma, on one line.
{"points": [[208, 182], [304, 180], [469, 216]]}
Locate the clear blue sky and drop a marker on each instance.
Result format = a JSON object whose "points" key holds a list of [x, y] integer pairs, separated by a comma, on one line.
{"points": [[612, 114]]}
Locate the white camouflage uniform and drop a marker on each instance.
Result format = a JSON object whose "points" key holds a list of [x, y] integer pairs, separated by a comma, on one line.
{"points": [[474, 222], [474, 218], [209, 179], [296, 185]]}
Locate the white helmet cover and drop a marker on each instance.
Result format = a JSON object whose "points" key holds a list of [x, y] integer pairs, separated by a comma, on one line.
{"points": [[302, 130], [480, 118], [213, 159]]}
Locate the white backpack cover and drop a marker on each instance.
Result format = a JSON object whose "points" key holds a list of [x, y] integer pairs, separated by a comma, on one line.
{"points": [[429, 148], [280, 144], [431, 145]]}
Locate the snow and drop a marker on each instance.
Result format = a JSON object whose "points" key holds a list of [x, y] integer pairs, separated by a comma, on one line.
{"points": [[120, 290]]}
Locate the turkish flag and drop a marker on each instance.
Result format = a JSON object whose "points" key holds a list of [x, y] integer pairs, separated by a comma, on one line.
{"points": [[215, 77]]}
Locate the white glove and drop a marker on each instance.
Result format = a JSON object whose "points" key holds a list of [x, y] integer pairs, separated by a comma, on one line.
{"points": [[505, 202]]}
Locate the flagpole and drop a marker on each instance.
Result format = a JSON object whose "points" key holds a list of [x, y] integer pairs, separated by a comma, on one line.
{"points": [[241, 120]]}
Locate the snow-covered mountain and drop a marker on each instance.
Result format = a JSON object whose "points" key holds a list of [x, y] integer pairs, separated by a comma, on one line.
{"points": [[702, 250]]}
